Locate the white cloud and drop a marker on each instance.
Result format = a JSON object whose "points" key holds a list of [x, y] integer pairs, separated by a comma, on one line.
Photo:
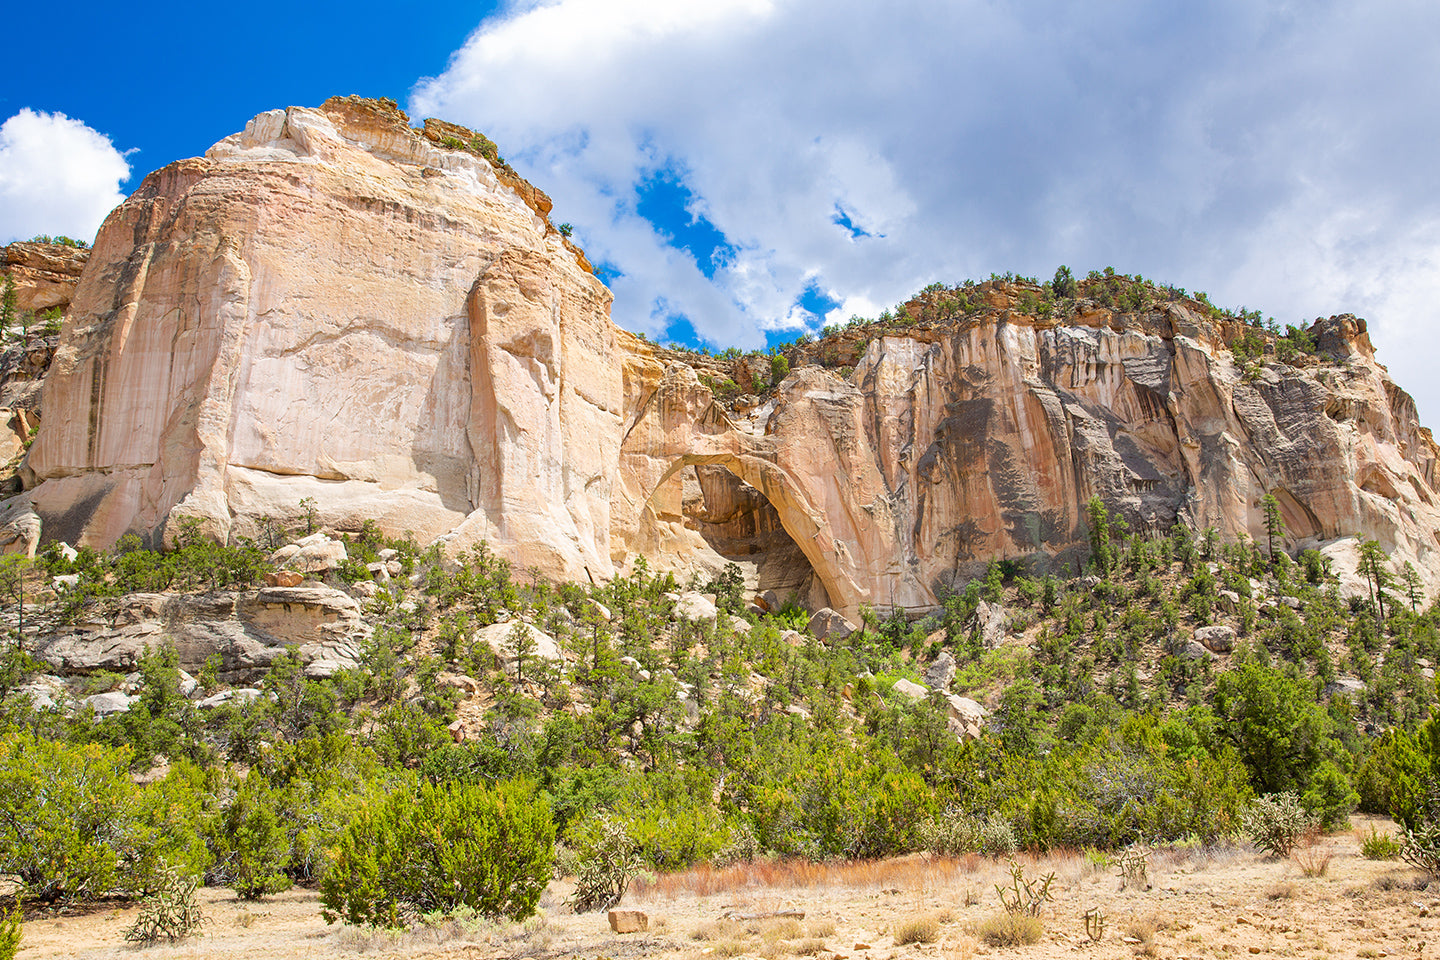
{"points": [[57, 176], [1274, 155]]}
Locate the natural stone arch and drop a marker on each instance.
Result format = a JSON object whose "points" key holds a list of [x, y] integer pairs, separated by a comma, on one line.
{"points": [[805, 525]]}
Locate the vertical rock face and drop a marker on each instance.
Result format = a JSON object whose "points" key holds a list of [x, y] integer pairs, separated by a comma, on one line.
{"points": [[336, 306], [331, 305]]}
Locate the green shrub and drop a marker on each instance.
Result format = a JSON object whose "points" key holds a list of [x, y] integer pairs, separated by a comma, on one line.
{"points": [[779, 369], [1329, 796], [1379, 846], [1277, 822], [439, 847], [68, 819], [254, 844], [11, 933]]}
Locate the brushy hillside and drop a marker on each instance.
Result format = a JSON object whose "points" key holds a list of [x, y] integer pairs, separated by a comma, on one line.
{"points": [[1179, 689]]}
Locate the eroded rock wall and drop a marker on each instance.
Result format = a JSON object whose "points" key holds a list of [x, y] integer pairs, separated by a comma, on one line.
{"points": [[330, 305], [333, 305]]}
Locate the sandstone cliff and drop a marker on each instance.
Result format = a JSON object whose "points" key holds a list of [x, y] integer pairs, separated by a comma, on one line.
{"points": [[45, 274], [335, 305]]}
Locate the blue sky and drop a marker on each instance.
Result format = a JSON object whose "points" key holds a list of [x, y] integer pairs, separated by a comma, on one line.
{"points": [[746, 169]]}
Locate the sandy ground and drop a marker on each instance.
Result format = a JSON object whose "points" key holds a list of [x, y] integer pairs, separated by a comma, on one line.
{"points": [[1216, 902]]}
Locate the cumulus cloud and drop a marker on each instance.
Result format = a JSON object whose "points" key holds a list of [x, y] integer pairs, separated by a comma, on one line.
{"points": [[1275, 155], [57, 176]]}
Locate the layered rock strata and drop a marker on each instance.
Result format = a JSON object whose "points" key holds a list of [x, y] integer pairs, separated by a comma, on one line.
{"points": [[335, 306], [44, 274]]}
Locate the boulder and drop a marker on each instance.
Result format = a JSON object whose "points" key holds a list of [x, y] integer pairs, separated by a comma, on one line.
{"points": [[284, 578], [1349, 687], [239, 695], [940, 673], [966, 718], [316, 553], [910, 690], [794, 638], [695, 606], [629, 921], [827, 624], [990, 621], [501, 638], [46, 693], [1191, 650], [107, 704], [1218, 638]]}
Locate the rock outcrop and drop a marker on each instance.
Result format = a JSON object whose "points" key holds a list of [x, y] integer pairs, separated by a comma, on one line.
{"points": [[248, 631], [44, 274], [335, 306]]}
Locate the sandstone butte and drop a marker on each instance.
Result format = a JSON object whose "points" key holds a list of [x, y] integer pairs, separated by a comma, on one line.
{"points": [[336, 305]]}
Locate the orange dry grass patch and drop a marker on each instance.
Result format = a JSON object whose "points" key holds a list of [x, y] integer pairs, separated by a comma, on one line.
{"points": [[903, 873]]}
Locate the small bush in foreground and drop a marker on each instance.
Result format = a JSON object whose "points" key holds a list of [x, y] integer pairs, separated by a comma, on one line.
{"points": [[1276, 823], [10, 934], [921, 929], [1379, 846], [1009, 930], [440, 847]]}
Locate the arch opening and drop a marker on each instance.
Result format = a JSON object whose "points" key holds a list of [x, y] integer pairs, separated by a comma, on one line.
{"points": [[721, 517]]}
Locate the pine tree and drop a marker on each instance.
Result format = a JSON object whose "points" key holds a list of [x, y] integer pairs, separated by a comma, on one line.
{"points": [[1372, 564], [1274, 523], [1099, 518], [1414, 588]]}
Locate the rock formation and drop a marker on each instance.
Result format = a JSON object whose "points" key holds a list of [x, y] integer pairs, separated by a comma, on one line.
{"points": [[334, 305], [44, 274]]}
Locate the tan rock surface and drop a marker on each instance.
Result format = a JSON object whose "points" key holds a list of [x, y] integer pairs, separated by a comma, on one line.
{"points": [[45, 274], [334, 305], [329, 305]]}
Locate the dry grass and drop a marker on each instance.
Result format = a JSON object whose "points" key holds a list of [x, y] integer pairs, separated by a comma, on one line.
{"points": [[1313, 861], [1281, 891], [922, 929], [717, 930], [769, 938], [1140, 929], [1009, 930], [823, 927], [913, 873]]}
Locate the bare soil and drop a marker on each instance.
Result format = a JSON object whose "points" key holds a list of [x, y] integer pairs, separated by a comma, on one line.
{"points": [[1325, 901]]}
